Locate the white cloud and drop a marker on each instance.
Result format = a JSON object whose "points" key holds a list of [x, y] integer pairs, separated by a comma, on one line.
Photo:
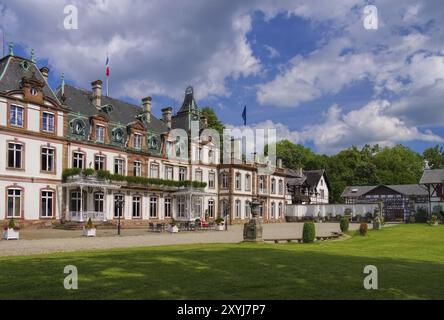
{"points": [[272, 52]]}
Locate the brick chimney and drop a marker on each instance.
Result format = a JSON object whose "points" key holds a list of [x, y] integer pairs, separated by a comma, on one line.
{"points": [[146, 106], [166, 116], [97, 93], [45, 72]]}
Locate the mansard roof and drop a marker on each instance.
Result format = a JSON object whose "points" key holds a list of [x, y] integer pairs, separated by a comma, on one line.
{"points": [[13, 69], [80, 101]]}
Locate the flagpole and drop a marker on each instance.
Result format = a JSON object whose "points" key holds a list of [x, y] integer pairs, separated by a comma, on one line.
{"points": [[107, 86]]}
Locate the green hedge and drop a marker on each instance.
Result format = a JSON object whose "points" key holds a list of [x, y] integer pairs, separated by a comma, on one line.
{"points": [[104, 174], [344, 223], [309, 232]]}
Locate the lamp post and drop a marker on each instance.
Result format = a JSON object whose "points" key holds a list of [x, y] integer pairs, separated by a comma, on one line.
{"points": [[119, 203]]}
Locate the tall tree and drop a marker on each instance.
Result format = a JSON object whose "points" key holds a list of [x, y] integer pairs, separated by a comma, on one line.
{"points": [[434, 157]]}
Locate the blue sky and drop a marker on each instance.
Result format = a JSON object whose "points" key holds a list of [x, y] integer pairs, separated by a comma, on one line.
{"points": [[310, 69]]}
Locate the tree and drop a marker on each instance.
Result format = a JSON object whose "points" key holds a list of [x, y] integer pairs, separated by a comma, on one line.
{"points": [[434, 156], [213, 121]]}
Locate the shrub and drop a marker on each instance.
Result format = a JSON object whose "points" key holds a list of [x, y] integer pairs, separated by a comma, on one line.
{"points": [[348, 212], [309, 232], [433, 219], [12, 225], [363, 228], [71, 172], [103, 174], [89, 224], [344, 223], [369, 216], [421, 215], [88, 172], [219, 220]]}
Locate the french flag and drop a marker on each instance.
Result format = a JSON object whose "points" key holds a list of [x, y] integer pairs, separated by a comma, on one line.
{"points": [[107, 66]]}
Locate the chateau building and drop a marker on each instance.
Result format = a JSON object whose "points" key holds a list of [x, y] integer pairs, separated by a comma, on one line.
{"points": [[73, 154]]}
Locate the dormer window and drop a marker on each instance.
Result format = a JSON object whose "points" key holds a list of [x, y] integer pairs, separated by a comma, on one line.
{"points": [[137, 141], [78, 127], [118, 135], [100, 133]]}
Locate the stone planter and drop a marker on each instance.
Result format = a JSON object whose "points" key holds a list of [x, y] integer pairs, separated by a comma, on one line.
{"points": [[220, 227], [173, 229], [89, 232], [10, 234]]}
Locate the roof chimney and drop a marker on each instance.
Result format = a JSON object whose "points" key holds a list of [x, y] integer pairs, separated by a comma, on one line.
{"points": [[45, 72], [146, 106], [204, 122], [97, 93], [279, 163], [166, 116]]}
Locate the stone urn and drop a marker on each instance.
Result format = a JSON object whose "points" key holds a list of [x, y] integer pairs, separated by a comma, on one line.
{"points": [[253, 228], [377, 222]]}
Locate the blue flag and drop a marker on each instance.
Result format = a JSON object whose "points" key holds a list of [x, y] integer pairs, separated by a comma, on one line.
{"points": [[244, 115]]}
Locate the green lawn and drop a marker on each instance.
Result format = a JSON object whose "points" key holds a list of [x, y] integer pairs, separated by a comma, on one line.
{"points": [[410, 261]]}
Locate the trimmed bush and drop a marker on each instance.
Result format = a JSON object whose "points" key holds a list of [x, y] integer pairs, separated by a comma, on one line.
{"points": [[421, 215], [71, 172], [344, 223], [309, 232], [363, 228]]}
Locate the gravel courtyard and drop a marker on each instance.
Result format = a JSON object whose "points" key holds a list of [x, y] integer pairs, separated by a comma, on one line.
{"points": [[51, 240]]}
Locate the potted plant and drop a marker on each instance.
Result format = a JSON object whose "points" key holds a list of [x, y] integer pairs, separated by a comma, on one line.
{"points": [[433, 220], [173, 227], [11, 231], [88, 229], [220, 224]]}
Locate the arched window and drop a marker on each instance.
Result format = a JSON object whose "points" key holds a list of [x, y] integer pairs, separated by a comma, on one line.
{"points": [[273, 210], [273, 185], [280, 210], [224, 180]]}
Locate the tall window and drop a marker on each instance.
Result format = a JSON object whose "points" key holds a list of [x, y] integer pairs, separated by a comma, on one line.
{"points": [[154, 170], [211, 180], [119, 166], [99, 162], [280, 210], [137, 169], [16, 116], [48, 122], [261, 210], [76, 201], [137, 206], [153, 207], [47, 202], [78, 160], [247, 209], [182, 174], [137, 141], [224, 180], [261, 184], [98, 201], [15, 151], [118, 210], [238, 209], [211, 208], [198, 175], [273, 185], [100, 133], [14, 203], [47, 163], [167, 208], [281, 186], [247, 182], [181, 206], [238, 181], [211, 156], [168, 172], [322, 193], [273, 210]]}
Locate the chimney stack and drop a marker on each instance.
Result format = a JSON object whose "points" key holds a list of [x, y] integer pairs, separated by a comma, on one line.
{"points": [[97, 93], [146, 106], [166, 116], [45, 72], [279, 163]]}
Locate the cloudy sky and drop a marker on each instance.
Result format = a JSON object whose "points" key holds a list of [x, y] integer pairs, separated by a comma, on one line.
{"points": [[310, 69]]}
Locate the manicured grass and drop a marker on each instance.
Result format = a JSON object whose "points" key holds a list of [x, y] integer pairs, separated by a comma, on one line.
{"points": [[409, 258]]}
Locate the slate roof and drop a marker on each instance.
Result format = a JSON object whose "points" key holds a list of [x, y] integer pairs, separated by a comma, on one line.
{"points": [[432, 176], [405, 189], [79, 100], [313, 176], [11, 74]]}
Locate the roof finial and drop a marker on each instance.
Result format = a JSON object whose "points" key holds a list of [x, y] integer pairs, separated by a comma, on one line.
{"points": [[32, 55], [11, 49], [62, 86]]}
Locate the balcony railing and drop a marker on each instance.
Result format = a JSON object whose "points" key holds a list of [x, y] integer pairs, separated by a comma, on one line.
{"points": [[85, 215]]}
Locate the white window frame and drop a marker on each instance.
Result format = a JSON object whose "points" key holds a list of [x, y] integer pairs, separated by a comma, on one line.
{"points": [[49, 154], [154, 203], [137, 168], [101, 160], [44, 200], [211, 180], [49, 124], [154, 168], [137, 141], [167, 208], [100, 133], [78, 157], [136, 204], [16, 113], [238, 181], [119, 166], [15, 148]]}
